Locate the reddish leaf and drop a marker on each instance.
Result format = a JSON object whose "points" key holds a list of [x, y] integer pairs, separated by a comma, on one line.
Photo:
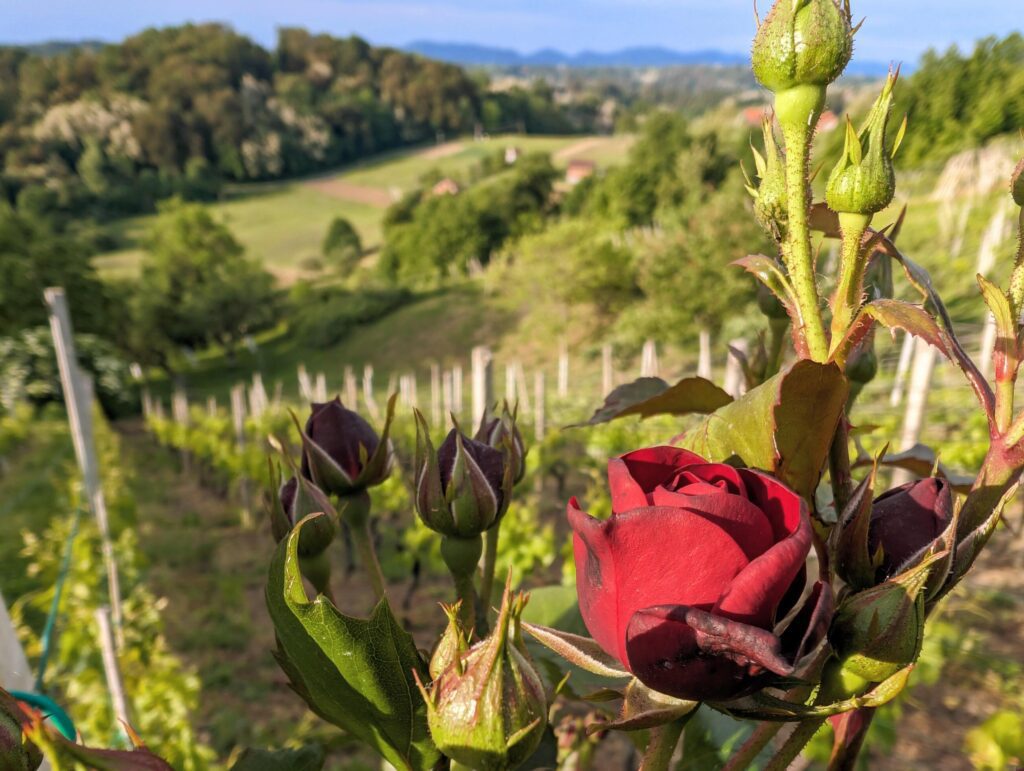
{"points": [[651, 396]]}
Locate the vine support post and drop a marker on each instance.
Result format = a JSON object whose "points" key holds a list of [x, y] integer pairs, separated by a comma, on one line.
{"points": [[78, 399]]}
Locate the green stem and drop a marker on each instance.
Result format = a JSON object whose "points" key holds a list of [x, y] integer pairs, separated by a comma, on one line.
{"points": [[795, 744], [798, 110], [356, 513], [745, 756], [662, 746], [487, 577], [850, 289], [368, 557], [462, 555]]}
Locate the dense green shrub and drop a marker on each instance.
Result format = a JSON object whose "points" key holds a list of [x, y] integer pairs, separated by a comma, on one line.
{"points": [[28, 371], [321, 317]]}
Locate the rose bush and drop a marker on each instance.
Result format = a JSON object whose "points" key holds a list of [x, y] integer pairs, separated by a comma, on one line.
{"points": [[691, 582]]}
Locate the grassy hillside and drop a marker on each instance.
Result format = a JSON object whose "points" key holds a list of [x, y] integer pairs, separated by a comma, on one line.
{"points": [[283, 224]]}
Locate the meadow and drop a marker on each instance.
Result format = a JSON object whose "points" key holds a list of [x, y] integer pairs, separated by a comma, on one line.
{"points": [[282, 223]]}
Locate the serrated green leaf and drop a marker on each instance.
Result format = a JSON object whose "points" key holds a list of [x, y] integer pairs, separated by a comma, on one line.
{"points": [[651, 396], [784, 426], [356, 673]]}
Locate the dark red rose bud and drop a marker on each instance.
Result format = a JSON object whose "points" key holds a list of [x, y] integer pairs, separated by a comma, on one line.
{"points": [[502, 434], [691, 582], [463, 487], [342, 453], [907, 520]]}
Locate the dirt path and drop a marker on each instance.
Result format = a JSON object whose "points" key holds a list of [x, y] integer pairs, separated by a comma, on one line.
{"points": [[574, 150], [346, 191], [445, 150]]}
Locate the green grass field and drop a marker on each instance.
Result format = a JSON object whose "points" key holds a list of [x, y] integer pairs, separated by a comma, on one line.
{"points": [[282, 223]]}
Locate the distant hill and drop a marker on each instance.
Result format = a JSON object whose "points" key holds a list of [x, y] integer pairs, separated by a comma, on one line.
{"points": [[471, 55], [57, 47]]}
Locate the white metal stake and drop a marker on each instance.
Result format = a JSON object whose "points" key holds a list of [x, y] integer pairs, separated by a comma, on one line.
{"points": [[483, 383], [435, 394], [305, 386], [15, 674], [902, 368], [320, 388], [351, 389], [110, 667], [563, 371], [457, 400], [649, 360], [539, 399], [735, 383], [78, 398], [607, 370], [371, 403], [704, 358]]}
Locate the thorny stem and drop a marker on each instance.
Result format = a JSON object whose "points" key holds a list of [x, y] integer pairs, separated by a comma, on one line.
{"points": [[849, 739], [798, 110], [744, 757], [1004, 404], [795, 744], [662, 745], [850, 289]]}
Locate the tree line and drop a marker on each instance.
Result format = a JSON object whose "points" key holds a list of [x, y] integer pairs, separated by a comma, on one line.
{"points": [[109, 130]]}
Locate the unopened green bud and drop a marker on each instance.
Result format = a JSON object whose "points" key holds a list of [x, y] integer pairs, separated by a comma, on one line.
{"points": [[878, 631], [488, 710], [864, 182], [1017, 184], [803, 43], [770, 194], [453, 643], [862, 367]]}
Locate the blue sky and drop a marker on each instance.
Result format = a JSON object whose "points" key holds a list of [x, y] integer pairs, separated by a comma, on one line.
{"points": [[896, 29]]}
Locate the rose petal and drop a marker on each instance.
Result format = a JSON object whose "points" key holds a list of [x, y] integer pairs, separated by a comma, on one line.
{"points": [[653, 466], [743, 521], [717, 474], [810, 625], [691, 654], [595, 578], [626, 492], [648, 556], [783, 507], [755, 594]]}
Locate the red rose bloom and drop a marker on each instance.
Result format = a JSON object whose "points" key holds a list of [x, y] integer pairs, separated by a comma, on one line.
{"points": [[689, 581]]}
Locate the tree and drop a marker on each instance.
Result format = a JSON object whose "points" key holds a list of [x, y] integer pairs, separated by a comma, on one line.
{"points": [[342, 247], [34, 257], [197, 286]]}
